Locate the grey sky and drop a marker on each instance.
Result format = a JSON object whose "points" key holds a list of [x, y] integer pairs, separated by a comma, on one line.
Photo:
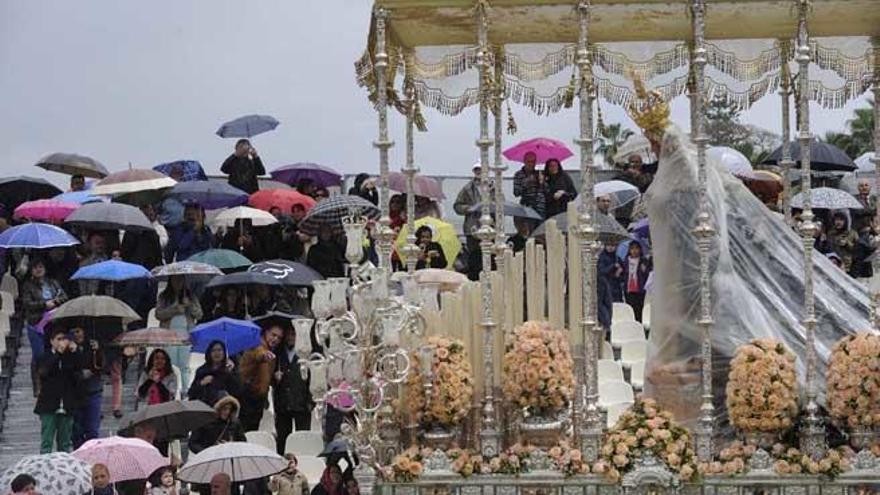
{"points": [[147, 82]]}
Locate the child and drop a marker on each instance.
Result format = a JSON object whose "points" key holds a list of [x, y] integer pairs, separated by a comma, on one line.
{"points": [[167, 484], [101, 481]]}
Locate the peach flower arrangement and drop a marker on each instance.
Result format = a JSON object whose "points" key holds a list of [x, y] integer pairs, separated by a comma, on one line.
{"points": [[762, 391], [854, 380], [538, 372], [569, 460], [734, 459], [452, 387], [641, 430]]}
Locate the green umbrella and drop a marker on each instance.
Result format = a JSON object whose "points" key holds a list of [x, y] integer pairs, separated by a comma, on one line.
{"points": [[223, 259]]}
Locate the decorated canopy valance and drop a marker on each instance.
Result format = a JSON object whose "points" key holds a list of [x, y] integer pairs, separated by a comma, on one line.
{"points": [[539, 73]]}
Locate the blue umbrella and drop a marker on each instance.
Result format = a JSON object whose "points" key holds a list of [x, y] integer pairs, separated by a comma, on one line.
{"points": [[237, 335], [641, 228], [81, 197], [210, 195], [112, 271], [36, 236], [191, 169], [623, 247], [247, 126]]}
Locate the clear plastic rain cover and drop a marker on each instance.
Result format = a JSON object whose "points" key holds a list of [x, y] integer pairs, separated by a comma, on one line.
{"points": [[756, 277]]}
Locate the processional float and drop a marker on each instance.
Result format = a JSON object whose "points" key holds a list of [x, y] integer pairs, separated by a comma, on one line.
{"points": [[740, 50]]}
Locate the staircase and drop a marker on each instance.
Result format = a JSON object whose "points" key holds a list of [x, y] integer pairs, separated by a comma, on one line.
{"points": [[20, 435]]}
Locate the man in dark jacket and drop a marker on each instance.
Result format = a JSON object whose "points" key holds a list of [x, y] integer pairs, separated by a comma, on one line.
{"points": [[58, 396], [90, 361], [190, 237], [243, 167], [290, 392]]}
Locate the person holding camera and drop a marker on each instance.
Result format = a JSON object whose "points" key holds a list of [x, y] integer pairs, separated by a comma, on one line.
{"points": [[243, 167], [59, 396], [431, 255]]}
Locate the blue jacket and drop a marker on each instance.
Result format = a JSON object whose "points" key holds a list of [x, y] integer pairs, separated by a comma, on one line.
{"points": [[184, 241]]}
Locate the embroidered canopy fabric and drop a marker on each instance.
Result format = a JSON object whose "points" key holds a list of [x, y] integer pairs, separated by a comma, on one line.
{"points": [[431, 45]]}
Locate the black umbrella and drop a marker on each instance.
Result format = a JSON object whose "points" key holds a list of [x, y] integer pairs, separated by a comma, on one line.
{"points": [[172, 420], [109, 216], [824, 157], [610, 232], [243, 278], [19, 189], [72, 164], [289, 273]]}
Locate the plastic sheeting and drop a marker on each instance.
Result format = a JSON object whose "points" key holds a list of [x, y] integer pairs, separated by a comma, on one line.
{"points": [[756, 279]]}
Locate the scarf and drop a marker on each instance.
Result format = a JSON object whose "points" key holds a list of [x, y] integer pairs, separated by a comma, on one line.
{"points": [[327, 483]]}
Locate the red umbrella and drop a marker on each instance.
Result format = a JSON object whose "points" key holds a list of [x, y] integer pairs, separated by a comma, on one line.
{"points": [[150, 337], [282, 198]]}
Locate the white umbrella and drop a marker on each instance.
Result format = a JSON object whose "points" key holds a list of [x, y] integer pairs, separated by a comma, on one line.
{"points": [[634, 145], [242, 461], [125, 458], [622, 193], [735, 162], [58, 473], [865, 162], [828, 198], [258, 218]]}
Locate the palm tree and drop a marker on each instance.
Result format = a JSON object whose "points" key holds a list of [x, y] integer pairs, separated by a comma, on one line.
{"points": [[860, 136], [610, 139]]}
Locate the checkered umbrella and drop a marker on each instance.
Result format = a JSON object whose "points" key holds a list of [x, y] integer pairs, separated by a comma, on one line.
{"points": [[330, 212]]}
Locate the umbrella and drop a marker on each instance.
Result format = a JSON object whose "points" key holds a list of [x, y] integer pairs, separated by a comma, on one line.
{"points": [[172, 420], [137, 186], [289, 273], [71, 164], [81, 197], [623, 248], [339, 447], [191, 170], [423, 185], [641, 228], [827, 198], [223, 259], [209, 195], [443, 233], [95, 307], [185, 269], [58, 473], [610, 232], [237, 335], [865, 162], [734, 161], [242, 461], [636, 144], [16, 190], [243, 278], [543, 148], [45, 210], [36, 236], [258, 218], [269, 184], [511, 210], [112, 271], [109, 216], [247, 126], [622, 193], [322, 176], [125, 458], [766, 176], [330, 212], [150, 337], [824, 157], [266, 199], [448, 279]]}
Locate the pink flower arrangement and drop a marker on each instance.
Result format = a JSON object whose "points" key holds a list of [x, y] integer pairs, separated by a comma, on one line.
{"points": [[569, 460], [407, 466], [514, 460], [538, 369], [641, 430], [465, 462], [734, 459], [762, 387], [452, 387], [854, 380]]}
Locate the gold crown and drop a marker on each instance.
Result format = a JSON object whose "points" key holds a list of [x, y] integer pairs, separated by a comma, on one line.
{"points": [[649, 111]]}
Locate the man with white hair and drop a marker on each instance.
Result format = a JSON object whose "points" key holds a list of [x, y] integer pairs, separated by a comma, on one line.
{"points": [[467, 198], [221, 484], [603, 204]]}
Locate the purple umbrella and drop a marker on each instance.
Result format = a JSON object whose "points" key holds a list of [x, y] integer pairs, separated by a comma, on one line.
{"points": [[322, 176]]}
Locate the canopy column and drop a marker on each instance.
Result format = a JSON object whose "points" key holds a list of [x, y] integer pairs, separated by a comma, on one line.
{"points": [[875, 294], [489, 435], [499, 168], [410, 250], [383, 143], [591, 417], [704, 232], [786, 161], [813, 431]]}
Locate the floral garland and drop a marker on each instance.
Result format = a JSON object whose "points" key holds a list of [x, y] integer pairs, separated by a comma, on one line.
{"points": [[538, 369], [452, 388], [646, 429], [854, 380], [734, 459], [569, 460], [762, 387]]}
